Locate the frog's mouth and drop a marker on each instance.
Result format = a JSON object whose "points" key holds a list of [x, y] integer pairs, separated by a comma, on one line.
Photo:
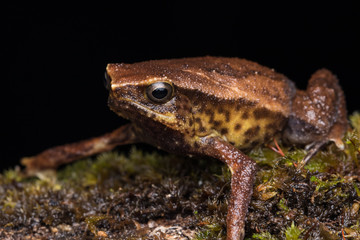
{"points": [[135, 111]]}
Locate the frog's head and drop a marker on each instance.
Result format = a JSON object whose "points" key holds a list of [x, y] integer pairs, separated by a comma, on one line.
{"points": [[147, 95]]}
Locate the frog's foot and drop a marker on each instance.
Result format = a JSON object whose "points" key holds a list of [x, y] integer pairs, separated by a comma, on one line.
{"points": [[311, 149], [318, 114], [314, 147], [54, 157], [243, 171]]}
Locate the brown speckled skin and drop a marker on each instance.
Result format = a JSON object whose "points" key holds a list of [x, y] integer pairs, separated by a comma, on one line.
{"points": [[220, 106]]}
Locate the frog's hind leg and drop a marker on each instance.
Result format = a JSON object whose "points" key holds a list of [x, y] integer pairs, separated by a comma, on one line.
{"points": [[318, 114], [327, 82], [56, 156]]}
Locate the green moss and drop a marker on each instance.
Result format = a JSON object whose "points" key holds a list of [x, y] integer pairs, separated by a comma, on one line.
{"points": [[293, 232], [263, 236], [126, 196], [282, 205], [355, 121], [212, 232], [326, 185]]}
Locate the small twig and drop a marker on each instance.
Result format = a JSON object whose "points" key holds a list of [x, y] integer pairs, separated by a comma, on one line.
{"points": [[277, 149], [221, 190]]}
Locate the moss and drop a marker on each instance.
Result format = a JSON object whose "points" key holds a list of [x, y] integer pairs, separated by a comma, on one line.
{"points": [[355, 121], [293, 232], [263, 236], [118, 196]]}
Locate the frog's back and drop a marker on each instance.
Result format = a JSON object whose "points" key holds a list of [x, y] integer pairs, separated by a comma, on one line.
{"points": [[249, 104], [220, 77]]}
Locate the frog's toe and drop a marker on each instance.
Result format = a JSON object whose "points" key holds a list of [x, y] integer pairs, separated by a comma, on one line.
{"points": [[339, 143], [337, 132], [312, 149]]}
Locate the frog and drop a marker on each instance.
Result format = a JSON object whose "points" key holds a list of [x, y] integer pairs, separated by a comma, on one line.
{"points": [[215, 107]]}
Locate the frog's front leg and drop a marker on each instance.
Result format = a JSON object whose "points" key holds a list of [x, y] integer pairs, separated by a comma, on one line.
{"points": [[243, 171], [56, 156]]}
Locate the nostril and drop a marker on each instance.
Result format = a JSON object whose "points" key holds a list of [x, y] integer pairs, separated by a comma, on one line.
{"points": [[107, 81]]}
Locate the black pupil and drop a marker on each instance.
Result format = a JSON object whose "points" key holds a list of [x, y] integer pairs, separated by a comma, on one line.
{"points": [[160, 93]]}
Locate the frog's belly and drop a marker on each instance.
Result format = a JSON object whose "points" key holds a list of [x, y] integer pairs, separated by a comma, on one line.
{"points": [[258, 127], [242, 126]]}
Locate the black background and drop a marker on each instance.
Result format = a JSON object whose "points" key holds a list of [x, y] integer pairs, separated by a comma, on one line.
{"points": [[54, 56]]}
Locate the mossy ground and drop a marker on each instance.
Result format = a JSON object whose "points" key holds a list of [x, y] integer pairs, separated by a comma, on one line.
{"points": [[141, 195]]}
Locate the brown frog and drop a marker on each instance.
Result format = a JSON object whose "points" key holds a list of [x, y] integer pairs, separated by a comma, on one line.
{"points": [[215, 107]]}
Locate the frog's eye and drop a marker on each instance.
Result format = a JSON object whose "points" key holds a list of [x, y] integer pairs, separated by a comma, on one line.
{"points": [[159, 92]]}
